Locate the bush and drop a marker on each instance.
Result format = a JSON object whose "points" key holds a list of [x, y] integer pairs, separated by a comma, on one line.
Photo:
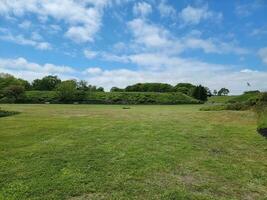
{"points": [[14, 92], [111, 97], [66, 91]]}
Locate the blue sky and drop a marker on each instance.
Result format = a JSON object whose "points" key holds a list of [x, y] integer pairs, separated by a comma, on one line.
{"points": [[121, 42]]}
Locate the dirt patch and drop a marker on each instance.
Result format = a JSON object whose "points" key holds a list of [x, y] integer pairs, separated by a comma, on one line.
{"points": [[263, 132]]}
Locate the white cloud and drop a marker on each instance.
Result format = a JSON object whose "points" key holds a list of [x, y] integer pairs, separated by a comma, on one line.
{"points": [[29, 70], [150, 35], [142, 8], [90, 54], [263, 54], [246, 9], [21, 40], [174, 70], [25, 24], [169, 69], [156, 38], [166, 10], [83, 17], [193, 15]]}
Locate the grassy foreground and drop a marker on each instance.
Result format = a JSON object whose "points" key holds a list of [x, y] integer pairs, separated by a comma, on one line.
{"points": [[146, 152]]}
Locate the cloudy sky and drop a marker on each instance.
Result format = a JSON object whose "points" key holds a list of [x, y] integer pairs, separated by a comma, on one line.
{"points": [[121, 42]]}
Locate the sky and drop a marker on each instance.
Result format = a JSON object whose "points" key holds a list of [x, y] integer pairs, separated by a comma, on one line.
{"points": [[122, 42]]}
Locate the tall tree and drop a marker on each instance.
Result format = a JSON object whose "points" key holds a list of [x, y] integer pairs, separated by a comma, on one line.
{"points": [[223, 91], [47, 83], [200, 93]]}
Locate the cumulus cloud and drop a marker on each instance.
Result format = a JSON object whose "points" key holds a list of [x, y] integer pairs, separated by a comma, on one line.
{"points": [[165, 9], [175, 69], [194, 15], [142, 8], [263, 54], [83, 17], [22, 68], [157, 38], [20, 39], [90, 54]]}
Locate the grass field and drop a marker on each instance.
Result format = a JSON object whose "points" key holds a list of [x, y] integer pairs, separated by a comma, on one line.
{"points": [[220, 99], [147, 152]]}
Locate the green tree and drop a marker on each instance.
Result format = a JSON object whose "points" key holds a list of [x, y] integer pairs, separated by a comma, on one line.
{"points": [[223, 91], [185, 88], [66, 91], [47, 83], [116, 89], [14, 92], [7, 80], [200, 93], [215, 92]]}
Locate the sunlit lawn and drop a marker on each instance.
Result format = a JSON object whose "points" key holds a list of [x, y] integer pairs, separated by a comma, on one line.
{"points": [[146, 152]]}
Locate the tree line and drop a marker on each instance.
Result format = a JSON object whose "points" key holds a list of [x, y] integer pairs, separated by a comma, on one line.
{"points": [[12, 87]]}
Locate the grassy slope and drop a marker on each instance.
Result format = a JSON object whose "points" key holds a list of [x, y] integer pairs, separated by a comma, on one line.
{"points": [[116, 97], [219, 99], [147, 152]]}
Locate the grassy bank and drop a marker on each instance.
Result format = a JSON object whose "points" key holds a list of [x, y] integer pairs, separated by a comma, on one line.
{"points": [[113, 98], [146, 152]]}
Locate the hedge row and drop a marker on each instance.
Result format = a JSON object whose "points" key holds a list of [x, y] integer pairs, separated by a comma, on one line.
{"points": [[109, 98]]}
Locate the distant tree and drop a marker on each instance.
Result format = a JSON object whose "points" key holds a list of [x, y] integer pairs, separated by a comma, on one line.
{"points": [[223, 91], [116, 89], [200, 93], [215, 92], [8, 80], [66, 91], [14, 91], [208, 92], [47, 83], [82, 85], [185, 88], [100, 89], [149, 87]]}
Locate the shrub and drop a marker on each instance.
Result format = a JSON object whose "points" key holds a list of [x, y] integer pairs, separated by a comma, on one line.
{"points": [[14, 92], [66, 91], [200, 93]]}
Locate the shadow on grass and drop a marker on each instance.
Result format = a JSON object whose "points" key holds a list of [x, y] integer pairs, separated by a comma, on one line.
{"points": [[4, 113]]}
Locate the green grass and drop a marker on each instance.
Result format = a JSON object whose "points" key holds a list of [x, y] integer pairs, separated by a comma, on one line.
{"points": [[147, 152], [262, 122], [219, 99], [111, 98]]}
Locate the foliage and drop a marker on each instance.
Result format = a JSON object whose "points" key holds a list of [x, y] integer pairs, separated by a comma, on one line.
{"points": [[220, 99], [250, 96], [110, 97], [185, 88], [66, 91], [223, 91], [139, 98], [15, 92], [149, 87], [116, 89], [200, 93], [47, 83], [8, 80]]}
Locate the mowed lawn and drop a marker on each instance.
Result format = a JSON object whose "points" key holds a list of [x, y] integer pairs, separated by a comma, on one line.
{"points": [[147, 152]]}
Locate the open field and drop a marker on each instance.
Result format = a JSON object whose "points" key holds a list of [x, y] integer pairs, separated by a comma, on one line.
{"points": [[146, 152]]}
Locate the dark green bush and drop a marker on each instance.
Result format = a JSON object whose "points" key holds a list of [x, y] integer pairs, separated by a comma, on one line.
{"points": [[111, 98]]}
